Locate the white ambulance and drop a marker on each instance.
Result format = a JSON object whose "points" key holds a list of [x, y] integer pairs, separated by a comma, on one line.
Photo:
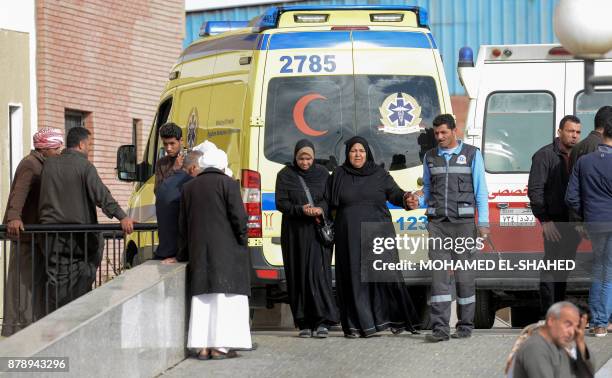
{"points": [[518, 94]]}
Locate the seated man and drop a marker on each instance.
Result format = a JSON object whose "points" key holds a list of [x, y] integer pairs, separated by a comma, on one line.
{"points": [[544, 354]]}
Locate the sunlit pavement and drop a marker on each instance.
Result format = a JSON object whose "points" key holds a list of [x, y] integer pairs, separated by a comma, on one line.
{"points": [[281, 353]]}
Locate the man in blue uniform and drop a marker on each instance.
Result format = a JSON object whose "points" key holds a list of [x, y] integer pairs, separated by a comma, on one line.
{"points": [[453, 188]]}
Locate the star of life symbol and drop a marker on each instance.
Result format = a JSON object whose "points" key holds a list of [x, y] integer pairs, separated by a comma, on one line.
{"points": [[192, 127], [400, 114]]}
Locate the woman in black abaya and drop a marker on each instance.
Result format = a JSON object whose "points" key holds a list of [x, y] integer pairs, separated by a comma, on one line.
{"points": [[358, 191], [307, 262]]}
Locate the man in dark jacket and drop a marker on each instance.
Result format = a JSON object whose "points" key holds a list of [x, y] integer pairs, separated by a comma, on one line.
{"points": [[590, 143], [172, 137], [586, 146], [23, 293], [70, 191], [167, 201], [590, 194], [213, 238], [548, 180]]}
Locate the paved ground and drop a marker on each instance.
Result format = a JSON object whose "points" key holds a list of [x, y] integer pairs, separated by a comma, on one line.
{"points": [[282, 354]]}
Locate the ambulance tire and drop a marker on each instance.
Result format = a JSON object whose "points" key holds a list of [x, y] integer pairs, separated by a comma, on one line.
{"points": [[484, 313], [522, 316]]}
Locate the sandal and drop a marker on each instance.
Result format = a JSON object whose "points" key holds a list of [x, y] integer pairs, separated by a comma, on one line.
{"points": [[224, 356], [203, 357]]}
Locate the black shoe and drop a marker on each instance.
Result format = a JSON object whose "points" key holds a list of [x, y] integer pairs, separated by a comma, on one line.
{"points": [[436, 337], [321, 333], [351, 335], [462, 334], [396, 331], [305, 333]]}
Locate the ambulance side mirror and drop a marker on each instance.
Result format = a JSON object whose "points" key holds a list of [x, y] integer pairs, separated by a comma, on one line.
{"points": [[126, 163]]}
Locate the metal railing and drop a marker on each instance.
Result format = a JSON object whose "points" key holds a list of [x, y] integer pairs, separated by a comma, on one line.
{"points": [[51, 265]]}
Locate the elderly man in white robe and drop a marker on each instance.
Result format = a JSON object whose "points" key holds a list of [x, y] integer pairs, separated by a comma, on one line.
{"points": [[213, 239]]}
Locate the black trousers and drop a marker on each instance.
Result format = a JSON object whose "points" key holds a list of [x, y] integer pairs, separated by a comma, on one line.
{"points": [[553, 283], [442, 280], [72, 262]]}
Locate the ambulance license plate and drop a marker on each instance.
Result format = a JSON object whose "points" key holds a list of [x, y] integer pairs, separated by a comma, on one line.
{"points": [[516, 218]]}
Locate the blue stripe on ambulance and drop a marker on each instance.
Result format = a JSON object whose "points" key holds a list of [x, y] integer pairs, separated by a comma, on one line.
{"points": [[268, 203], [328, 39]]}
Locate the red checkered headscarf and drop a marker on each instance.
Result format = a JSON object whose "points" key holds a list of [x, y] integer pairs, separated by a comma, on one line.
{"points": [[48, 138]]}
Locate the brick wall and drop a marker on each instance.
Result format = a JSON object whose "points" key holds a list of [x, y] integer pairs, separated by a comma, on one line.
{"points": [[108, 58]]}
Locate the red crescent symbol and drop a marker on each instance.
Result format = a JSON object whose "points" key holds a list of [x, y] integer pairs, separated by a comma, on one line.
{"points": [[298, 114]]}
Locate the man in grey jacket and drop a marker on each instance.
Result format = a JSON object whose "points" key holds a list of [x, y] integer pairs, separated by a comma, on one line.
{"points": [[71, 189], [544, 354]]}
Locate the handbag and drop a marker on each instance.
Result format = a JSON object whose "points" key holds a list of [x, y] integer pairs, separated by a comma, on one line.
{"points": [[325, 229]]}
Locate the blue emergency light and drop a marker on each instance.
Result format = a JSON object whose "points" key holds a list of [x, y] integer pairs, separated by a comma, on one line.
{"points": [[216, 27], [466, 57], [269, 19]]}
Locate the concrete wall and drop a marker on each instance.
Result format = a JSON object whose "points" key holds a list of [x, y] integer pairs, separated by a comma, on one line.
{"points": [[133, 326], [15, 91]]}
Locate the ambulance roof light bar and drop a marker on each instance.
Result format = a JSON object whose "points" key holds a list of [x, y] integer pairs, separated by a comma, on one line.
{"points": [[466, 57], [269, 20], [217, 27]]}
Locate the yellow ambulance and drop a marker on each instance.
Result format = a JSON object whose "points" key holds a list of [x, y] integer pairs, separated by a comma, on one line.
{"points": [[325, 73]]}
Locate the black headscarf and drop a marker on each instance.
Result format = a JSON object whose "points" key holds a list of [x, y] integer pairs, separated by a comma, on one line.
{"points": [[343, 172], [369, 167], [315, 176]]}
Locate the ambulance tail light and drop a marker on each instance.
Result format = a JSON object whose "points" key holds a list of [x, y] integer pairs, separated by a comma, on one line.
{"points": [[310, 18], [251, 196]]}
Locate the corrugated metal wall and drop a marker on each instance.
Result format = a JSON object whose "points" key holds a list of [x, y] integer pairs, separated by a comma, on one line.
{"points": [[454, 23]]}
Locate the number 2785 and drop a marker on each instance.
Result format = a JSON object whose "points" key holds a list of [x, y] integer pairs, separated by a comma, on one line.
{"points": [[305, 63]]}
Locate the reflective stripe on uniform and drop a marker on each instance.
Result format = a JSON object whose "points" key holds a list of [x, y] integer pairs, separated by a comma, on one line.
{"points": [[465, 211], [460, 170], [466, 301], [453, 169], [441, 298]]}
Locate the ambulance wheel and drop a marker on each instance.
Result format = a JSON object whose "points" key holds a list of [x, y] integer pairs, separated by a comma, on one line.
{"points": [[522, 316], [484, 315]]}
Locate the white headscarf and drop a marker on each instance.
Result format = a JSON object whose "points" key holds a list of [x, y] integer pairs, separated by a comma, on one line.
{"points": [[214, 159], [205, 146]]}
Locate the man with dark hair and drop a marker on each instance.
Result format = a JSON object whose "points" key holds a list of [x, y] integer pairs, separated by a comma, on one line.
{"points": [[590, 195], [545, 352], [172, 137], [584, 147], [70, 191], [454, 187], [167, 205], [547, 184], [590, 143], [23, 292]]}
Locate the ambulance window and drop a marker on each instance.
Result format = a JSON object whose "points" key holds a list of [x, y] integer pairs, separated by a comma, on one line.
{"points": [[585, 107], [152, 152], [516, 125], [319, 108], [394, 113]]}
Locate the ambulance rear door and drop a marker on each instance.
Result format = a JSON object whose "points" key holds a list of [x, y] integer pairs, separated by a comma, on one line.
{"points": [[519, 107], [308, 92]]}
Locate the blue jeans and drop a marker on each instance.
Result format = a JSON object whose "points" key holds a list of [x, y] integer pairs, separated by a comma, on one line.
{"points": [[600, 296]]}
